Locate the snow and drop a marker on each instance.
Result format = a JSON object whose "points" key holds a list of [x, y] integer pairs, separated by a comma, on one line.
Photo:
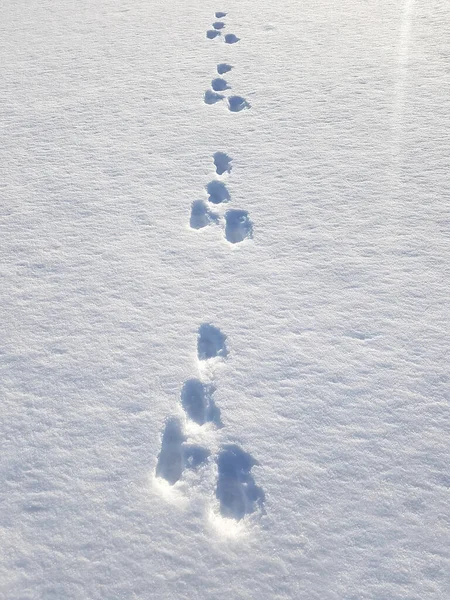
{"points": [[320, 405]]}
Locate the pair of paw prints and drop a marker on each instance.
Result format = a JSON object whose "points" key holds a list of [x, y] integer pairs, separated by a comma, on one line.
{"points": [[236, 493], [236, 223]]}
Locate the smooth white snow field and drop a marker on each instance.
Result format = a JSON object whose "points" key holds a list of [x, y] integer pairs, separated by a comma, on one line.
{"points": [[225, 300]]}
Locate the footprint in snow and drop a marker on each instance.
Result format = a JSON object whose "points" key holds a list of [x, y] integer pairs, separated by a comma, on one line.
{"points": [[176, 455], [238, 226], [212, 33], [236, 491], [201, 215], [220, 15], [212, 97], [217, 192], [198, 403], [218, 25], [230, 38], [170, 459], [222, 163], [223, 68], [211, 342], [219, 85], [237, 103]]}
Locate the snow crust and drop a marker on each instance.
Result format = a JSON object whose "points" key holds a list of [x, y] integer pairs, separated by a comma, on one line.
{"points": [[334, 299]]}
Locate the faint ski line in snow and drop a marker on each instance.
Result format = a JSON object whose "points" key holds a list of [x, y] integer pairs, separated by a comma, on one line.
{"points": [[402, 80]]}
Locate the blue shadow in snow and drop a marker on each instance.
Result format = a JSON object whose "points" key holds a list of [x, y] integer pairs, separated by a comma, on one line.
{"points": [[237, 226], [201, 216], [222, 163], [236, 490], [237, 103], [223, 68], [217, 192], [212, 97], [197, 401], [219, 85], [230, 38], [175, 455], [211, 342], [170, 459]]}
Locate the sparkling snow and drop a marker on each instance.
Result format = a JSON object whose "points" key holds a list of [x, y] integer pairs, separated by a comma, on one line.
{"points": [[310, 304]]}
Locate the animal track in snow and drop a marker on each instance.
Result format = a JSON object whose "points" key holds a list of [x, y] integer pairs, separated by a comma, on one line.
{"points": [[211, 342], [230, 38], [170, 459], [222, 163], [201, 215], [237, 103], [238, 226], [176, 455], [212, 97], [219, 85], [217, 192], [236, 490], [198, 404], [223, 68]]}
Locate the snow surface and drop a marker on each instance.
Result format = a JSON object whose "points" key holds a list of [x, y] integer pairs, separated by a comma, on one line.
{"points": [[324, 413]]}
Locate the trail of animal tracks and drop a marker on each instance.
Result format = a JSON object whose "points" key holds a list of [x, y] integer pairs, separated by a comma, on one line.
{"points": [[224, 308]]}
